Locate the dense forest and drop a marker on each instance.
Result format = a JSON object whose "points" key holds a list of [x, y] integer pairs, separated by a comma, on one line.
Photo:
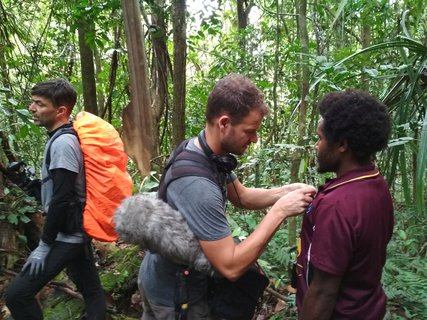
{"points": [[147, 67]]}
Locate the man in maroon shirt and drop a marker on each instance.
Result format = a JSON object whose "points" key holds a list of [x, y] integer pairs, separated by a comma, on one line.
{"points": [[347, 227]]}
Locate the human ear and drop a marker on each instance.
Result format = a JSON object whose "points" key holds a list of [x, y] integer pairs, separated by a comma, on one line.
{"points": [[224, 121], [343, 145], [62, 110]]}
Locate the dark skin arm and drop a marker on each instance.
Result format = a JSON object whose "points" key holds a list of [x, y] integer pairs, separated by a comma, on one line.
{"points": [[319, 301]]}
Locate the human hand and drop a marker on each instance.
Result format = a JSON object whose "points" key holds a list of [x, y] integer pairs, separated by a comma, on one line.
{"points": [[295, 202], [36, 261], [294, 186]]}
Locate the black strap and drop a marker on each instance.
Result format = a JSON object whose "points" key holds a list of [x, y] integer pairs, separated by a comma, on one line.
{"points": [[181, 293], [183, 163], [65, 130]]}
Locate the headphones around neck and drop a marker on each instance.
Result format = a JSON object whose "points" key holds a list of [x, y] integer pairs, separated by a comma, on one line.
{"points": [[224, 164]]}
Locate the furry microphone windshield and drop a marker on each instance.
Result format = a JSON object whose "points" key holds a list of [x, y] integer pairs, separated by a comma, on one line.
{"points": [[152, 224]]}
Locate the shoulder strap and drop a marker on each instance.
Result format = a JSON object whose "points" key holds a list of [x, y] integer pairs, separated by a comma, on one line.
{"points": [[66, 130], [184, 162]]}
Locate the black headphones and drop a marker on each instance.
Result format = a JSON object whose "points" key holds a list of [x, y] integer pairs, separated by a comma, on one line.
{"points": [[224, 164]]}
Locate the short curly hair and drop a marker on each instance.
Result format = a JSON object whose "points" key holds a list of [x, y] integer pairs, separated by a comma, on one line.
{"points": [[357, 117]]}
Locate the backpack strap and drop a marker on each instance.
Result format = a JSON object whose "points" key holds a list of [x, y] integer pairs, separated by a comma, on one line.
{"points": [[183, 163], [80, 205], [66, 130]]}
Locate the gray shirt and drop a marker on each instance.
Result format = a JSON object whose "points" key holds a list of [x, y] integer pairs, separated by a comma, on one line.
{"points": [[202, 204], [65, 153]]}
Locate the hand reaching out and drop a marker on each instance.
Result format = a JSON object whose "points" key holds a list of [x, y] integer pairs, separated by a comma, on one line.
{"points": [[295, 202], [294, 186]]}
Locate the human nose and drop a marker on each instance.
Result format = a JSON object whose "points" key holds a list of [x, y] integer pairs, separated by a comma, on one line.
{"points": [[31, 107], [316, 145], [254, 138]]}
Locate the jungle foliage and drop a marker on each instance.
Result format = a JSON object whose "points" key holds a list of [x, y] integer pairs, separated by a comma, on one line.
{"points": [[295, 51]]}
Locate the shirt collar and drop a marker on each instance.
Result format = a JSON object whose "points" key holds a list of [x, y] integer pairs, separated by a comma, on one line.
{"points": [[50, 134], [365, 171]]}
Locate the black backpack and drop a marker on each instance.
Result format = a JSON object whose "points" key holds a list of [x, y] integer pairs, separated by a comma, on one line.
{"points": [[183, 163], [229, 300]]}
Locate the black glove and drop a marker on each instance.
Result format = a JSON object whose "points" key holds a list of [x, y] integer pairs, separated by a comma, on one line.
{"points": [[36, 261]]}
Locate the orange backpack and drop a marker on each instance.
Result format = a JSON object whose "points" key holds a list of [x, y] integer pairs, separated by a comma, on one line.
{"points": [[107, 181]]}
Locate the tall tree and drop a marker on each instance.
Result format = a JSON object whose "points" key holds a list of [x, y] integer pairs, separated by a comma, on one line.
{"points": [[366, 40], [137, 116], [108, 109], [243, 9], [304, 87], [179, 70], [161, 67], [85, 27]]}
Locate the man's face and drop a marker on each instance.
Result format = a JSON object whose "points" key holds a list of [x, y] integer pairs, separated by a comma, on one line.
{"points": [[238, 137], [44, 113], [326, 153]]}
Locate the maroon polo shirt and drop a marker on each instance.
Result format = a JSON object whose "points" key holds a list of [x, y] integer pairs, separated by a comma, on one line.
{"points": [[345, 232]]}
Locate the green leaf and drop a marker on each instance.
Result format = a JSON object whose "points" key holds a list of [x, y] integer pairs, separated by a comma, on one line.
{"points": [[264, 84], [371, 72], [4, 89], [12, 101], [302, 167], [12, 218], [421, 169], [402, 234], [5, 110], [22, 238], [399, 141], [23, 132], [338, 13], [24, 219]]}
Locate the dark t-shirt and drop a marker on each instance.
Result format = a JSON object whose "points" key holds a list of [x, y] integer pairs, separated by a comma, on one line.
{"points": [[345, 232]]}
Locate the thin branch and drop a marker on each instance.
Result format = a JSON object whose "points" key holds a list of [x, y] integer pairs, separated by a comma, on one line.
{"points": [[36, 48], [275, 294], [6, 147], [66, 289]]}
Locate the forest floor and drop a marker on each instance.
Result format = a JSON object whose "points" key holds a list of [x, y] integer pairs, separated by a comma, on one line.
{"points": [[118, 268]]}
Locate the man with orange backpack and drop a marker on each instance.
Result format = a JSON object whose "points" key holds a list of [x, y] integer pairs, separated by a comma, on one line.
{"points": [[64, 243]]}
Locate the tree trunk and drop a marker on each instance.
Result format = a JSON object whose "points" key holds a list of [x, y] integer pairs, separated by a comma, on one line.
{"points": [[100, 97], [87, 70], [107, 109], [179, 74], [302, 111], [137, 117], [243, 9], [8, 246], [277, 71], [366, 42], [160, 72]]}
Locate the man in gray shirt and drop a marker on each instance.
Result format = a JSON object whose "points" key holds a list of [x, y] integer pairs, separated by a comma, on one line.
{"points": [[235, 110], [63, 243]]}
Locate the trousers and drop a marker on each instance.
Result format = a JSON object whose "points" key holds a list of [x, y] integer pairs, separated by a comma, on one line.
{"points": [[152, 311], [78, 260]]}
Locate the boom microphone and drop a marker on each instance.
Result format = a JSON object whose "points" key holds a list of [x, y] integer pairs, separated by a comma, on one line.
{"points": [[152, 224]]}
